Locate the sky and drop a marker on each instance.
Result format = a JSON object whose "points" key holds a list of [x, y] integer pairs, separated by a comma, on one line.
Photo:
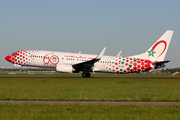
{"points": [[87, 26]]}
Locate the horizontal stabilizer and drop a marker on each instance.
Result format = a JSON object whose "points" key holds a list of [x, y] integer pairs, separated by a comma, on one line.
{"points": [[160, 64]]}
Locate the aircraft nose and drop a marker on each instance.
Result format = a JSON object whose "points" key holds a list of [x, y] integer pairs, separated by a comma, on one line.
{"points": [[8, 58]]}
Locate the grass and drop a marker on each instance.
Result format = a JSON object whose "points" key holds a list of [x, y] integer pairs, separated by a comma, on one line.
{"points": [[88, 112], [89, 89]]}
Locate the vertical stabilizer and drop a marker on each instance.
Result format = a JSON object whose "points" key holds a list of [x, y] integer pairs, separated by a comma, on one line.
{"points": [[157, 51]]}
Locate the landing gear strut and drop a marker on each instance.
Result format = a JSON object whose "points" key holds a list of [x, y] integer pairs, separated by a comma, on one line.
{"points": [[86, 74]]}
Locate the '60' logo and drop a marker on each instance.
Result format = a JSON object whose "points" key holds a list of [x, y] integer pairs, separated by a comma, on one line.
{"points": [[51, 59]]}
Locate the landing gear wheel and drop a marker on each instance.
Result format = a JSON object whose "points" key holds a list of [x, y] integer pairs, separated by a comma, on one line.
{"points": [[86, 74], [83, 74]]}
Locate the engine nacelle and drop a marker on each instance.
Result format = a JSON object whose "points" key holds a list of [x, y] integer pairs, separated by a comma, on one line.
{"points": [[64, 68]]}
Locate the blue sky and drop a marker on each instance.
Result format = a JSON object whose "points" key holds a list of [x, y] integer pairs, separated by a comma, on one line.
{"points": [[88, 25]]}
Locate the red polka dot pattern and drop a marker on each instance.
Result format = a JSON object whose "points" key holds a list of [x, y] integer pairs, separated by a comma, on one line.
{"points": [[126, 65], [22, 57]]}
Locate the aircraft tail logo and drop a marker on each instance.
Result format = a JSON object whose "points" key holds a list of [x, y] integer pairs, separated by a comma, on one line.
{"points": [[157, 51], [152, 52]]}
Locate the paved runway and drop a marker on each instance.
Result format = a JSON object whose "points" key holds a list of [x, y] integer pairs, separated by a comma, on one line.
{"points": [[92, 77], [90, 103]]}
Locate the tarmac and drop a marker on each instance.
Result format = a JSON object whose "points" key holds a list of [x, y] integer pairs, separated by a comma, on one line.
{"points": [[91, 77]]}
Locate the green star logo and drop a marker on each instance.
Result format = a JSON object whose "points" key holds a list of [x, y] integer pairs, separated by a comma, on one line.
{"points": [[151, 52]]}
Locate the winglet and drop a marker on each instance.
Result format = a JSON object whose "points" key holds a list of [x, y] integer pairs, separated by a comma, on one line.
{"points": [[119, 53], [89, 64], [101, 53]]}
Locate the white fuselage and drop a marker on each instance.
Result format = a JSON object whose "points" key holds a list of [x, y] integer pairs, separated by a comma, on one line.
{"points": [[51, 59], [153, 58]]}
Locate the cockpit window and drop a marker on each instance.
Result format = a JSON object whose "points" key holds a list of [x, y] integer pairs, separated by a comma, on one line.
{"points": [[14, 54]]}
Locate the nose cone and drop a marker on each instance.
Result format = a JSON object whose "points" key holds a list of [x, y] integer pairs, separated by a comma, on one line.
{"points": [[8, 58]]}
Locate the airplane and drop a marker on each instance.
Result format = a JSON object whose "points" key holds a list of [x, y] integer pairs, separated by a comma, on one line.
{"points": [[65, 62]]}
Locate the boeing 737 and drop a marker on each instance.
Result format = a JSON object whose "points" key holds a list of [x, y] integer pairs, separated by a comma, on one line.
{"points": [[65, 62]]}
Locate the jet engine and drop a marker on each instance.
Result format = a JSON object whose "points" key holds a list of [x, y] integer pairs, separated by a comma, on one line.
{"points": [[66, 68]]}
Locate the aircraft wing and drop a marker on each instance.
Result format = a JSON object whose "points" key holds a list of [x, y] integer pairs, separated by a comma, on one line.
{"points": [[87, 65]]}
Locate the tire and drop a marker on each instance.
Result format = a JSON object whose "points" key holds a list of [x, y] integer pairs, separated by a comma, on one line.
{"points": [[88, 74], [84, 74]]}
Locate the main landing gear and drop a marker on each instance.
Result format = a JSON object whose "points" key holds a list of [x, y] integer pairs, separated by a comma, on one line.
{"points": [[86, 74]]}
